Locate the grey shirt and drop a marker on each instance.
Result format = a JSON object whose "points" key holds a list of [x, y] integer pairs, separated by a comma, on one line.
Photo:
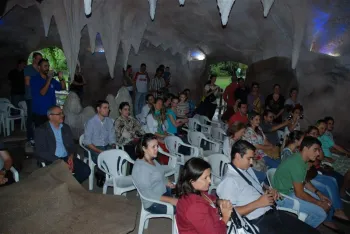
{"points": [[99, 133], [150, 180], [272, 137]]}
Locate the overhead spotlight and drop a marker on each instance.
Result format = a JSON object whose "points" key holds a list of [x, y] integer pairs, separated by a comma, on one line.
{"points": [[334, 54], [196, 55]]}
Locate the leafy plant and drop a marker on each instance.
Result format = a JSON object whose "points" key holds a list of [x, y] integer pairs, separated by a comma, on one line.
{"points": [[227, 68]]}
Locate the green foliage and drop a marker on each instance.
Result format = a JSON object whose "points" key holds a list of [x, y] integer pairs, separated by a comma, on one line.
{"points": [[223, 69]]}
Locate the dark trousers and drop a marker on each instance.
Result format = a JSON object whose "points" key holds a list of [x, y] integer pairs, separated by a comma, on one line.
{"points": [[39, 119], [81, 170], [156, 208], [29, 122], [277, 222], [227, 114]]}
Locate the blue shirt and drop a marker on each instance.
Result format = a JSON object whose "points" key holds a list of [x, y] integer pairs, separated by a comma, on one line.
{"points": [[99, 133], [61, 151], [171, 128], [41, 103], [29, 71], [327, 144]]}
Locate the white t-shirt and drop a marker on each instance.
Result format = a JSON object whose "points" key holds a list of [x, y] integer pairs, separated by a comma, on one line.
{"points": [[235, 189], [290, 102], [152, 125], [141, 82], [143, 115], [212, 87]]}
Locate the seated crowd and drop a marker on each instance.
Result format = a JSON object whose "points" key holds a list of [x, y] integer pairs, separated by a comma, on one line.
{"points": [[261, 135]]}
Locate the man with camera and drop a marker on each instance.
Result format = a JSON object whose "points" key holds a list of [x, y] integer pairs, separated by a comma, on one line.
{"points": [[43, 87], [257, 203], [270, 129]]}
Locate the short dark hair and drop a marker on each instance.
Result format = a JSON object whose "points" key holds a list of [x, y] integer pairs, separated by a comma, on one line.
{"points": [[241, 103], [276, 85], [309, 141], [212, 76], [267, 111], [255, 84], [159, 70], [292, 90], [239, 79], [235, 127], [123, 104], [100, 102], [35, 54], [310, 128], [143, 65], [294, 136], [298, 107], [145, 139], [49, 111], [192, 170], [175, 97], [20, 61], [328, 118], [241, 147], [187, 90], [149, 95], [43, 61], [321, 121]]}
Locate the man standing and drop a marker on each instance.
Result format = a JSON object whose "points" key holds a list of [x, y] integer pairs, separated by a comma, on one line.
{"points": [[43, 88], [250, 199], [157, 84], [270, 129], [242, 91], [229, 98], [54, 140], [290, 177], [16, 78], [30, 71], [141, 86], [240, 115]]}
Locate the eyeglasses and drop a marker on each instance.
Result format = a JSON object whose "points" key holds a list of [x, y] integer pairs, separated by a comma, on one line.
{"points": [[61, 113]]}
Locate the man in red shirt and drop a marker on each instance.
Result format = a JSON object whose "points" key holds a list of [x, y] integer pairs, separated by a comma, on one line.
{"points": [[240, 115], [229, 98]]}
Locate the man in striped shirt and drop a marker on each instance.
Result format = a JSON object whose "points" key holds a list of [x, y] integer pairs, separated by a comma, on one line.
{"points": [[157, 84]]}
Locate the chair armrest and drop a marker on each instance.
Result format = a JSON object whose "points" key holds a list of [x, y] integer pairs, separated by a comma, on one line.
{"points": [[296, 204], [182, 159], [15, 174], [216, 144], [194, 149]]}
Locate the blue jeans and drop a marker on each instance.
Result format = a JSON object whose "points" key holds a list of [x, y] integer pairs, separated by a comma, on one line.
{"points": [[316, 215], [328, 186], [156, 208], [271, 163], [140, 101]]}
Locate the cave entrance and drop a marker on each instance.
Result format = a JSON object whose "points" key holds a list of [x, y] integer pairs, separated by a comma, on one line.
{"points": [[223, 72], [58, 62]]}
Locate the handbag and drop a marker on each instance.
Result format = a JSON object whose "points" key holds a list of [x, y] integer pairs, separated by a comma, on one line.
{"points": [[241, 225], [273, 153]]}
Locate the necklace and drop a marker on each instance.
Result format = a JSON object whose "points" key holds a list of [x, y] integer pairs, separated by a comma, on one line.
{"points": [[211, 203]]}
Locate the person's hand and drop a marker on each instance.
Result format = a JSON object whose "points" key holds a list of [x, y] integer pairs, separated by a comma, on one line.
{"points": [[324, 198], [50, 74], [324, 205], [8, 163], [274, 193], [3, 179], [70, 163], [173, 201], [226, 209], [266, 200], [60, 75], [170, 185]]}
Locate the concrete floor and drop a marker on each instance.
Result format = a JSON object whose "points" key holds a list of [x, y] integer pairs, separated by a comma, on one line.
{"points": [[156, 226]]}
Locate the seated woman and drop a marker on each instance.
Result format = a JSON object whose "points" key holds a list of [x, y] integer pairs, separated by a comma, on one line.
{"points": [[149, 176], [156, 119], [292, 144], [342, 181], [196, 210], [234, 133], [191, 103], [255, 136], [127, 129], [294, 117], [256, 101], [172, 121], [183, 107]]}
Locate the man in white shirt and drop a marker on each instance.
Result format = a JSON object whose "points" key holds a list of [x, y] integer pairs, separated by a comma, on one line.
{"points": [[141, 80], [242, 188], [145, 109]]}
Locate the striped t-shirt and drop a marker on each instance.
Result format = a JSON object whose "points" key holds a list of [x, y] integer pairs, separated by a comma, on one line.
{"points": [[182, 109]]}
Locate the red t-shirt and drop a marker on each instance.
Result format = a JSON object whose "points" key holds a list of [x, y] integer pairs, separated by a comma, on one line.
{"points": [[196, 215], [229, 94], [237, 117]]}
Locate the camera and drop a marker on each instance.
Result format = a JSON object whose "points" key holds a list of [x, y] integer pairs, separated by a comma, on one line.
{"points": [[290, 117]]}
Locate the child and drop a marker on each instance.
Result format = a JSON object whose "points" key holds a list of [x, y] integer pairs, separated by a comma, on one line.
{"points": [[191, 104], [182, 108]]}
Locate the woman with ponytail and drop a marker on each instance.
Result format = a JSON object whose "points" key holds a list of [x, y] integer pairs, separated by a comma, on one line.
{"points": [[292, 143]]}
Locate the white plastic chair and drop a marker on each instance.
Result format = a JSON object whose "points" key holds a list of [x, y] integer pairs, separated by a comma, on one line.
{"points": [[196, 138], [14, 174], [296, 206], [173, 144], [9, 119], [89, 161], [218, 135], [145, 215], [171, 168], [194, 124], [218, 163], [111, 162], [205, 120], [5, 100]]}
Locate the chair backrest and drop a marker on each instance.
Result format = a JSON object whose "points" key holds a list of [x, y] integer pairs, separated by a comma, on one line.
{"points": [[111, 162], [23, 105], [195, 138], [192, 124], [5, 100], [203, 119], [81, 143], [218, 163], [172, 143], [218, 134], [172, 159], [270, 174]]}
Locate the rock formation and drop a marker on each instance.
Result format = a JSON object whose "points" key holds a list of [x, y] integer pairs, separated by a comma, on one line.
{"points": [[311, 36]]}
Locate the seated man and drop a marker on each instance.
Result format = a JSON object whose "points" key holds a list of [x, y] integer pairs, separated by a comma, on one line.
{"points": [[99, 132], [240, 115], [54, 140], [241, 187], [290, 179], [270, 129], [5, 165]]}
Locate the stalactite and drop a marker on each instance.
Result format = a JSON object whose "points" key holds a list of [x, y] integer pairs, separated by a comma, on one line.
{"points": [[225, 7], [267, 4], [152, 8], [87, 6]]}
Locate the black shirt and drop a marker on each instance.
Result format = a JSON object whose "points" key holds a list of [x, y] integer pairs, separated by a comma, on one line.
{"points": [[272, 137], [275, 106], [242, 94], [16, 79]]}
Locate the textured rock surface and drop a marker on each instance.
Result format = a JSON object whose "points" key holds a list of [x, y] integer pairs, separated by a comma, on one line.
{"points": [[289, 30]]}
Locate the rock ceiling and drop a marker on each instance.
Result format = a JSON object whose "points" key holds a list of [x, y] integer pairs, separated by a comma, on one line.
{"points": [[254, 29]]}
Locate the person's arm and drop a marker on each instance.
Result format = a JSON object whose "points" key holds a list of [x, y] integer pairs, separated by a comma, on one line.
{"points": [[341, 149], [280, 113], [263, 147], [4, 154], [301, 194], [77, 83], [88, 134], [292, 125], [225, 94], [42, 150], [62, 82], [111, 134], [69, 141], [170, 200], [44, 89], [264, 200], [172, 120], [198, 215]]}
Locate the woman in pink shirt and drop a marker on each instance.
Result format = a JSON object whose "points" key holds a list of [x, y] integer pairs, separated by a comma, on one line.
{"points": [[196, 210]]}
